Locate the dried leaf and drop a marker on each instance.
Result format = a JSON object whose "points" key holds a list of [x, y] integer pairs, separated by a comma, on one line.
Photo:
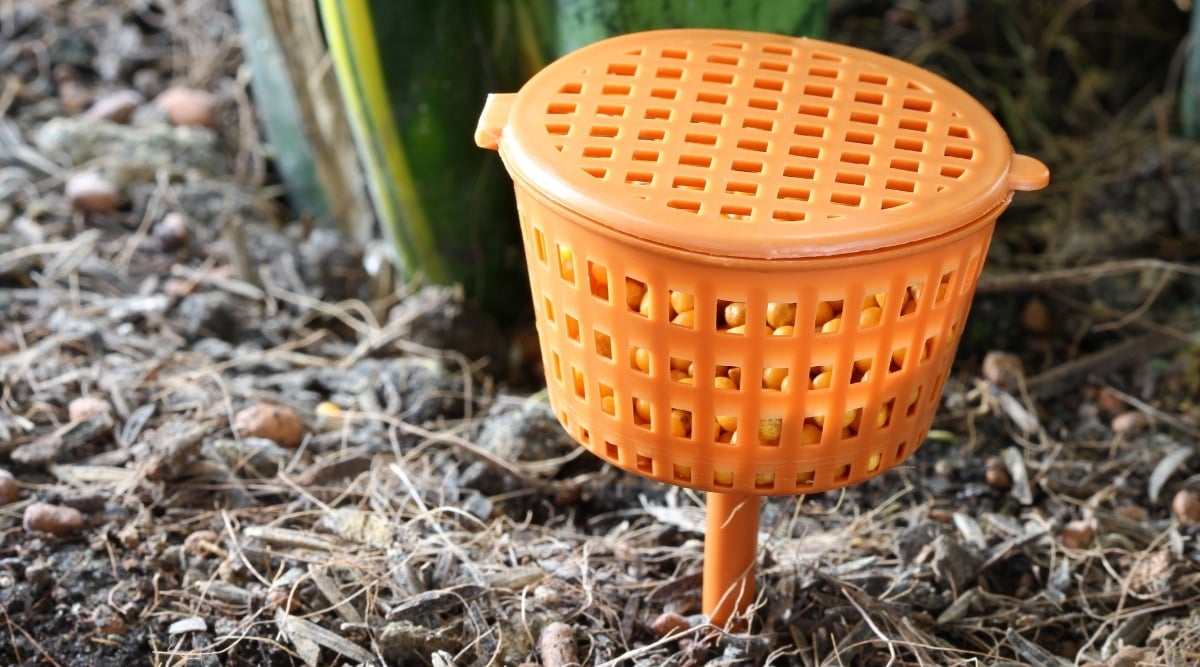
{"points": [[1014, 460], [1165, 469]]}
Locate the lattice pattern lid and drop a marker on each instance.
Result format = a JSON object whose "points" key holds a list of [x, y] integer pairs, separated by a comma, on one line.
{"points": [[755, 145]]}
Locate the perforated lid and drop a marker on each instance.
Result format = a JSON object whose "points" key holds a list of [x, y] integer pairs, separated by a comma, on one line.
{"points": [[755, 145]]}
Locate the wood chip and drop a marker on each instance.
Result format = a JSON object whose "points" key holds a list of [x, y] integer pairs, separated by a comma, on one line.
{"points": [[285, 537], [302, 632]]}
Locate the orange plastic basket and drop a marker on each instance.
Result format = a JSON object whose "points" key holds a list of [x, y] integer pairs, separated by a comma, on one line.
{"points": [[751, 257]]}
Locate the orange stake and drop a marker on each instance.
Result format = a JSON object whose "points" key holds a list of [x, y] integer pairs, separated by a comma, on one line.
{"points": [[730, 551]]}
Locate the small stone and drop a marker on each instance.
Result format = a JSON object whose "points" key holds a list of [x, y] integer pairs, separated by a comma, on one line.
{"points": [[90, 192], [1109, 400], [1132, 513], [8, 488], [1129, 423], [116, 107], [1035, 317], [669, 623], [1186, 507], [996, 474], [55, 519], [278, 423], [1078, 534], [171, 232], [198, 542], [86, 407], [188, 106], [1001, 368]]}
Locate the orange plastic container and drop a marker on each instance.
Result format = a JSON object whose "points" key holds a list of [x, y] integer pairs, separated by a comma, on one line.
{"points": [[751, 257]]}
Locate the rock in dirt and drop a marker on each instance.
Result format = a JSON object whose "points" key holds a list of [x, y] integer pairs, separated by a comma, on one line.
{"points": [[956, 562], [8, 488], [280, 424], [1185, 506], [669, 622], [90, 192], [86, 407], [188, 106], [115, 107], [557, 646], [132, 153], [54, 519], [171, 233]]}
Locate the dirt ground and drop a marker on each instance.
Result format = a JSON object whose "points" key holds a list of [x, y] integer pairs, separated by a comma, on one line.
{"points": [[216, 450]]}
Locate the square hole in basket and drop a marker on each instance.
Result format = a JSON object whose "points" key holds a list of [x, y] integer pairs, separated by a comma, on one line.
{"points": [[774, 378], [765, 103], [603, 344], [928, 348], [645, 464], [598, 280], [651, 134], [681, 370], [637, 296], [943, 290], [741, 188], [681, 423], [756, 145], [556, 367], [869, 97], [548, 308], [585, 436], [566, 264], [820, 377], [770, 430], [862, 370], [898, 356], [905, 164], [572, 327], [885, 414], [764, 480], [912, 297], [539, 243], [806, 478], [874, 461], [611, 451], [602, 152], [914, 399], [781, 317], [643, 412], [722, 479], [701, 138], [682, 473], [841, 473], [901, 450], [755, 123], [820, 110], [732, 212], [657, 113], [578, 382], [639, 359], [723, 59], [608, 400], [686, 317], [733, 317]]}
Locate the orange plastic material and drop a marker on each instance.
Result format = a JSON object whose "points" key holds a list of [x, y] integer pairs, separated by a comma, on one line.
{"points": [[751, 258]]}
